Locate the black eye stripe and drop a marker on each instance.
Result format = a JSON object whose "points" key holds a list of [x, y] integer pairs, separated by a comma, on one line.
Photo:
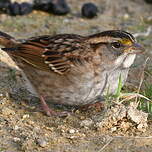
{"points": [[116, 44]]}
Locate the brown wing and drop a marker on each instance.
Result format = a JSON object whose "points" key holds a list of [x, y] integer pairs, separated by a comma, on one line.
{"points": [[58, 53]]}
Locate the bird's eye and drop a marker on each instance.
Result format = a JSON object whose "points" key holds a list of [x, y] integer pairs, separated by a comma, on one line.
{"points": [[116, 45]]}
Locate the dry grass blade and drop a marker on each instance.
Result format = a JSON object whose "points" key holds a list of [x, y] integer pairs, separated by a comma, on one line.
{"points": [[142, 76], [129, 96], [147, 33], [110, 140]]}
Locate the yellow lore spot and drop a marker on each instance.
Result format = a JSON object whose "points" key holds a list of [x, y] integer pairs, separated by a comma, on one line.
{"points": [[125, 42]]}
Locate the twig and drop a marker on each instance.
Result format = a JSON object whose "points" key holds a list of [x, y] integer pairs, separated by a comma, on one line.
{"points": [[110, 140], [147, 33], [142, 76], [136, 137]]}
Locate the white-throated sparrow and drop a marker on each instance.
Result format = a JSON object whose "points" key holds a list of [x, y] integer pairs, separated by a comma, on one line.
{"points": [[72, 69]]}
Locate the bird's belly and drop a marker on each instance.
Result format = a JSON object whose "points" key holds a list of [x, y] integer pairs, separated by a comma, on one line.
{"points": [[74, 89], [68, 90]]}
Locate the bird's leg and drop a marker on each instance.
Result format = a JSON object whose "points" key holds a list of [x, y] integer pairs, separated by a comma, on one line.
{"points": [[50, 112]]}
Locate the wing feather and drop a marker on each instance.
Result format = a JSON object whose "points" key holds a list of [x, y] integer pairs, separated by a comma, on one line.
{"points": [[55, 53]]}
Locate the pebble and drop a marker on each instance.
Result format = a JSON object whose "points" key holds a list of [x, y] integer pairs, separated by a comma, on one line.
{"points": [[113, 129], [72, 131], [16, 127], [86, 123], [126, 16], [89, 10], [66, 20], [1, 95], [42, 142], [16, 139], [25, 116]]}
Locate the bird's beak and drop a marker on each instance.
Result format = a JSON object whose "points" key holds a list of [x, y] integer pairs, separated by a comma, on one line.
{"points": [[137, 48]]}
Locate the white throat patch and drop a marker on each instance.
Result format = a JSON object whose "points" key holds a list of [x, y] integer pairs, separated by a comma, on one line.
{"points": [[129, 60], [126, 60]]}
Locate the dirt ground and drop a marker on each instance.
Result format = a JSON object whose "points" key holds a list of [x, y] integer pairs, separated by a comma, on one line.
{"points": [[23, 127]]}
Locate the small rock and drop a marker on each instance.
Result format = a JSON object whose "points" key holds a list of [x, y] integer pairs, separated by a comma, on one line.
{"points": [[113, 129], [42, 142], [1, 95], [142, 127], [66, 20], [138, 116], [89, 10], [126, 16], [72, 131], [16, 139], [86, 123], [25, 116], [16, 127]]}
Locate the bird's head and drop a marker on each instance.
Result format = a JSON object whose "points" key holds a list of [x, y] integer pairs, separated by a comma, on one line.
{"points": [[117, 45]]}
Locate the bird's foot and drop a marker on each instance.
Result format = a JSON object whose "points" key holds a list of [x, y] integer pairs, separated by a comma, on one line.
{"points": [[49, 112]]}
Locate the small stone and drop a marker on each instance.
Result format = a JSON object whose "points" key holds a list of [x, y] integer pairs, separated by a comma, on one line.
{"points": [[86, 123], [42, 142], [1, 95], [89, 10], [113, 129], [72, 131], [137, 116], [16, 139], [16, 127], [25, 116], [66, 20], [126, 16], [125, 125], [142, 127]]}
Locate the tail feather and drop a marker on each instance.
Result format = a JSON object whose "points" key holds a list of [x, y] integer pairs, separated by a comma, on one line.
{"points": [[7, 40]]}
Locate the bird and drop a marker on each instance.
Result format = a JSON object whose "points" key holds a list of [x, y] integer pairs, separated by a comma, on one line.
{"points": [[71, 69]]}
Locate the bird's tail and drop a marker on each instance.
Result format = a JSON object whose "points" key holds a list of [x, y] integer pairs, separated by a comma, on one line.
{"points": [[7, 40]]}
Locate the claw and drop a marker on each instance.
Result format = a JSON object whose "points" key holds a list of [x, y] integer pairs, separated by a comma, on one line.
{"points": [[49, 112]]}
